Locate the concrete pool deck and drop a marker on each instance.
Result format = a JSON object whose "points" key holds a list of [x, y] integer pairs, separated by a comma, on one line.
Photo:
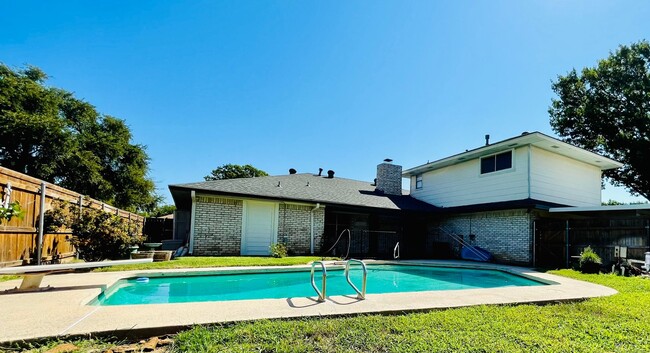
{"points": [[63, 310]]}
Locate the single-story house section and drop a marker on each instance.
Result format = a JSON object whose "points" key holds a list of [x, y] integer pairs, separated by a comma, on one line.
{"points": [[489, 197], [246, 216]]}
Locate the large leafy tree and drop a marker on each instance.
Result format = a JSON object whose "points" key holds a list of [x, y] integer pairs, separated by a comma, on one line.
{"points": [[606, 109], [49, 134], [163, 210], [234, 171]]}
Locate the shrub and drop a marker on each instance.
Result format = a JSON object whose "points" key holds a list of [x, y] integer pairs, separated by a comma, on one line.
{"points": [[96, 234], [12, 210], [58, 218], [589, 261], [279, 250]]}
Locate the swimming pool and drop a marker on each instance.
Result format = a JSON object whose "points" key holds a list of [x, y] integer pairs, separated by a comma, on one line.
{"points": [[269, 285]]}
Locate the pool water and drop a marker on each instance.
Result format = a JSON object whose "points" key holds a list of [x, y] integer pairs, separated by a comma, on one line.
{"points": [[381, 279]]}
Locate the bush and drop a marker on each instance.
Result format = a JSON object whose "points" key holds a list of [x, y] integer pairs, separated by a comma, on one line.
{"points": [[96, 234], [279, 250], [58, 218], [12, 210], [589, 261]]}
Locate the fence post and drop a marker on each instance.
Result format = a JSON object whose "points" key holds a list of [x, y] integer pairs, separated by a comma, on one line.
{"points": [[41, 224], [534, 242], [568, 255], [647, 232]]}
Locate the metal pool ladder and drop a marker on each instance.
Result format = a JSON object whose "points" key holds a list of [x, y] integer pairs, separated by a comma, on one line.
{"points": [[361, 294], [323, 294]]}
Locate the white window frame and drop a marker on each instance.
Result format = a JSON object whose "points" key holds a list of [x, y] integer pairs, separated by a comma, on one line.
{"points": [[512, 163], [418, 181]]}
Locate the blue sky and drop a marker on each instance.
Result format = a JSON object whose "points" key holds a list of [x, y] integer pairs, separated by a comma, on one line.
{"points": [[298, 84]]}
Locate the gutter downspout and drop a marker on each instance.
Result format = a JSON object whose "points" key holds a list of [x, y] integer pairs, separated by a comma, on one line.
{"points": [[311, 219], [528, 171], [192, 218]]}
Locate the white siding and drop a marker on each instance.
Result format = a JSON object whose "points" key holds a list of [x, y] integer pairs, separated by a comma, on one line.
{"points": [[559, 179], [463, 183]]}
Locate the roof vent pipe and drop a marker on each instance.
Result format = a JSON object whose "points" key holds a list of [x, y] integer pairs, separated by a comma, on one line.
{"points": [[330, 174], [320, 171], [487, 140]]}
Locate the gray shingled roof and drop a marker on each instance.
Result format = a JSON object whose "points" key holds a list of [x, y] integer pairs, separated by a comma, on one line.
{"points": [[310, 188]]}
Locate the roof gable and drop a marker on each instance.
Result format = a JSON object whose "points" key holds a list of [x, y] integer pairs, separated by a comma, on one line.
{"points": [[536, 139]]}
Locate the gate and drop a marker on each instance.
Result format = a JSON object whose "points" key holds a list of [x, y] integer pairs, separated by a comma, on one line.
{"points": [[158, 229], [550, 243]]}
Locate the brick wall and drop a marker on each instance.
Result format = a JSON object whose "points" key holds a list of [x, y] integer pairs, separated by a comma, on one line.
{"points": [[294, 228], [389, 178], [507, 234], [217, 226]]}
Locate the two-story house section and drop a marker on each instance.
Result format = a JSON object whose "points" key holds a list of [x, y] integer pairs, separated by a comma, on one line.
{"points": [[492, 195], [531, 167]]}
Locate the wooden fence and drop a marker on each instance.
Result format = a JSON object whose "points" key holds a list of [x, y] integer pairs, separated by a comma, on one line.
{"points": [[19, 237]]}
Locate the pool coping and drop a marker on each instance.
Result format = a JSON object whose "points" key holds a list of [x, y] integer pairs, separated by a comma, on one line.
{"points": [[64, 311]]}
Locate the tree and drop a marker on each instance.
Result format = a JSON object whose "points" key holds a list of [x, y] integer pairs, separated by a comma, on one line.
{"points": [[163, 210], [234, 171], [606, 109], [49, 134]]}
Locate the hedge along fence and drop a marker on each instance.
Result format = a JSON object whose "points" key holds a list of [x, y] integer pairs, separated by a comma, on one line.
{"points": [[19, 236]]}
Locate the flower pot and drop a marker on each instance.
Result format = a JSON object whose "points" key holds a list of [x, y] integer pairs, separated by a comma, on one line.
{"points": [[142, 255], [162, 255], [590, 267]]}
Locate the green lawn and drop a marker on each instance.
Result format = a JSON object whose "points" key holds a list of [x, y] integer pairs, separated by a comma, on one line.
{"points": [[197, 261], [619, 323], [8, 277]]}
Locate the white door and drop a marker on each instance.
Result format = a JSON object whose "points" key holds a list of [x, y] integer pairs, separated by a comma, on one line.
{"points": [[259, 228]]}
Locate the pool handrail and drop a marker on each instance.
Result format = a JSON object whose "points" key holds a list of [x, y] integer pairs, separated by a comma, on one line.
{"points": [[396, 251], [462, 242], [321, 295], [361, 294]]}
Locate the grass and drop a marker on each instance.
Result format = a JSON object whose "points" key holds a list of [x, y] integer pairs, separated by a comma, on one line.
{"points": [[618, 323], [197, 261], [8, 277]]}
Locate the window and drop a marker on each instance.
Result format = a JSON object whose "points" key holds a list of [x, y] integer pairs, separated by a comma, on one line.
{"points": [[496, 162], [418, 181]]}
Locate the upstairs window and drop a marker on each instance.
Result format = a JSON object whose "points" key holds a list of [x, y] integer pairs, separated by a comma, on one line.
{"points": [[418, 181], [496, 162]]}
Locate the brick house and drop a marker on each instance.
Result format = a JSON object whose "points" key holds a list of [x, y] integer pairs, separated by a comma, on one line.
{"points": [[489, 196], [245, 216]]}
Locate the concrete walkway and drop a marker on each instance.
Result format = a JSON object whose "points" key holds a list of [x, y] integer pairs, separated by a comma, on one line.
{"points": [[64, 311]]}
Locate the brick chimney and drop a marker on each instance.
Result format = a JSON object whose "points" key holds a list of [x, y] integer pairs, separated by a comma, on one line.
{"points": [[389, 178]]}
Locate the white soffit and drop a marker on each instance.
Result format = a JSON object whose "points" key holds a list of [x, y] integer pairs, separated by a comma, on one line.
{"points": [[600, 208]]}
